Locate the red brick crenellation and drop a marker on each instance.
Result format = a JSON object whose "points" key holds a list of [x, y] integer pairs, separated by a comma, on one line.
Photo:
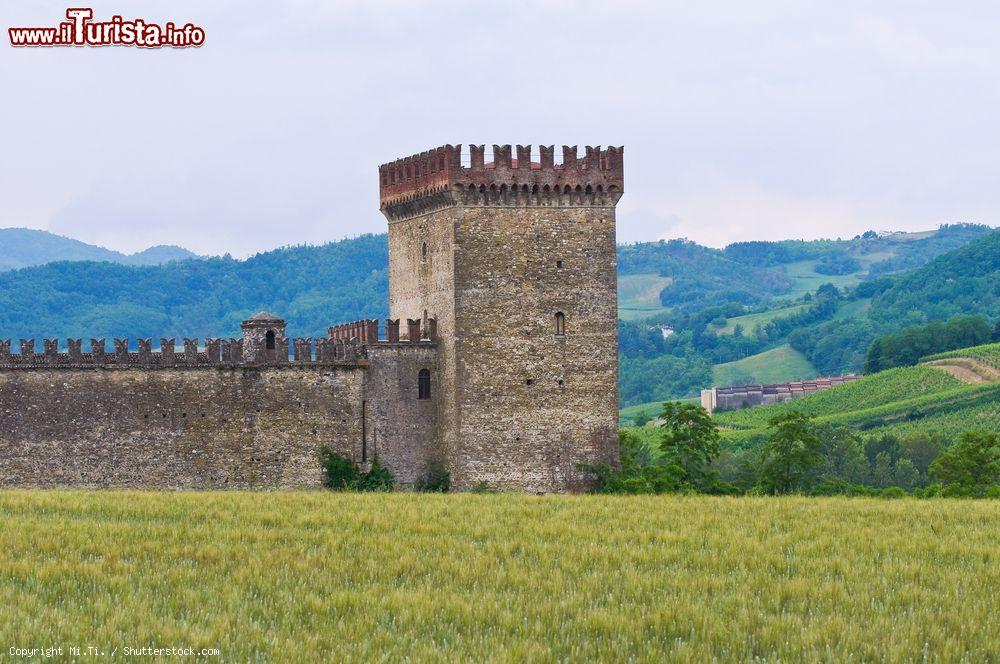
{"points": [[441, 169]]}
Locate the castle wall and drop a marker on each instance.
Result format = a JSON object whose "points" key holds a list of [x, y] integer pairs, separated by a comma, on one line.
{"points": [[508, 287], [402, 429], [420, 282], [491, 280], [182, 428]]}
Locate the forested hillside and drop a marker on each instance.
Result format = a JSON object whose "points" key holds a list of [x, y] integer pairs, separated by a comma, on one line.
{"points": [[821, 324], [25, 247], [312, 287], [691, 315], [963, 281]]}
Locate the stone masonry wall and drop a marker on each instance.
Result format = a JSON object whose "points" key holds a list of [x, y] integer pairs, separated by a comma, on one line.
{"points": [[402, 429], [205, 428], [535, 404], [493, 252], [421, 278]]}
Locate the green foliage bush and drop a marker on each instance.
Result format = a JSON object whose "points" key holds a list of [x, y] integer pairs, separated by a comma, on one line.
{"points": [[342, 474], [437, 480], [339, 472]]}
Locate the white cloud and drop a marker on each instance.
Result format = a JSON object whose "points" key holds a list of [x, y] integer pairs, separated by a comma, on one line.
{"points": [[761, 120]]}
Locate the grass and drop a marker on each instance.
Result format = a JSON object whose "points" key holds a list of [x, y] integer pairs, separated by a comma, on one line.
{"points": [[805, 279], [639, 295], [751, 321], [319, 576], [777, 365], [988, 355]]}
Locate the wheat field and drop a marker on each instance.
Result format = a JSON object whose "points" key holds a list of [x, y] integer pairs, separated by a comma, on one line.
{"points": [[388, 577]]}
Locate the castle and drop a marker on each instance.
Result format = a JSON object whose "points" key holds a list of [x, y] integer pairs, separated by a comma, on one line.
{"points": [[498, 362]]}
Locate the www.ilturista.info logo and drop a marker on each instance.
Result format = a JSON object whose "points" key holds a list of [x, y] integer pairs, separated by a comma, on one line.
{"points": [[80, 30]]}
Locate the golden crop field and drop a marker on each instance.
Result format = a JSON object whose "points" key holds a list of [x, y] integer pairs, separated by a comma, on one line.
{"points": [[386, 577]]}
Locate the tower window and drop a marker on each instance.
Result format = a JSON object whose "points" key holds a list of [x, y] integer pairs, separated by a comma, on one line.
{"points": [[423, 251], [269, 340], [560, 324], [558, 263], [424, 384]]}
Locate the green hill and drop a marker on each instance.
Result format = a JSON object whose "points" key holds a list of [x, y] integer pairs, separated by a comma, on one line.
{"points": [[965, 280], [929, 396], [312, 287], [778, 365], [639, 295], [25, 247]]}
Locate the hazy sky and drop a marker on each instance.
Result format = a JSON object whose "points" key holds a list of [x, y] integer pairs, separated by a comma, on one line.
{"points": [[740, 120]]}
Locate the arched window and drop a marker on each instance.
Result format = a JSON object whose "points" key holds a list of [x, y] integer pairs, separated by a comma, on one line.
{"points": [[269, 340], [560, 324], [424, 384]]}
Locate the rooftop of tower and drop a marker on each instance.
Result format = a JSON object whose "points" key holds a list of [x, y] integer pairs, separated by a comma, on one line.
{"points": [[441, 169]]}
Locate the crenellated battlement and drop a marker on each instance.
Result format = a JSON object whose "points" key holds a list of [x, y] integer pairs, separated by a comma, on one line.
{"points": [[221, 353], [346, 344], [437, 178], [366, 331]]}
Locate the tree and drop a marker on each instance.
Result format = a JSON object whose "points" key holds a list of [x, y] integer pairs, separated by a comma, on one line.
{"points": [[882, 470], [789, 455], [843, 455], [922, 448], [905, 475], [885, 444], [690, 442], [996, 331], [640, 471], [973, 461]]}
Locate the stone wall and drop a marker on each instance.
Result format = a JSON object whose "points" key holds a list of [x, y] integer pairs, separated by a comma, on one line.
{"points": [[402, 428], [210, 428], [535, 404], [193, 420], [421, 279]]}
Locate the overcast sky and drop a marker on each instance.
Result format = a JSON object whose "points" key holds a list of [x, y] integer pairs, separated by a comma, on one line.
{"points": [[744, 120]]}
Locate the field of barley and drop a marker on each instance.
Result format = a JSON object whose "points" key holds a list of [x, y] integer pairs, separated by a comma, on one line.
{"points": [[335, 577]]}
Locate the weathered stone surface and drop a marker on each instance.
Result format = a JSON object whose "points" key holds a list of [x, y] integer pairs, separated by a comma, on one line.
{"points": [[176, 429]]}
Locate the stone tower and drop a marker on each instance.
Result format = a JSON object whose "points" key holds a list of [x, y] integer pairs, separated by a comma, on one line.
{"points": [[264, 339], [515, 259]]}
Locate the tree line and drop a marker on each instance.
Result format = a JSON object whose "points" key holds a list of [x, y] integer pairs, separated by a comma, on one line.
{"points": [[803, 457]]}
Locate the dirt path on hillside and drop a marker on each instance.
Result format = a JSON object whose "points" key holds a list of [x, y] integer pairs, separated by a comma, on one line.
{"points": [[967, 370]]}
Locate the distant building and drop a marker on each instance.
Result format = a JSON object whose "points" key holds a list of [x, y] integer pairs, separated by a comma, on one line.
{"points": [[748, 396]]}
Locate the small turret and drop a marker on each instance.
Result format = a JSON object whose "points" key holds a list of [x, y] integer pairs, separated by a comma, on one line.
{"points": [[263, 337]]}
